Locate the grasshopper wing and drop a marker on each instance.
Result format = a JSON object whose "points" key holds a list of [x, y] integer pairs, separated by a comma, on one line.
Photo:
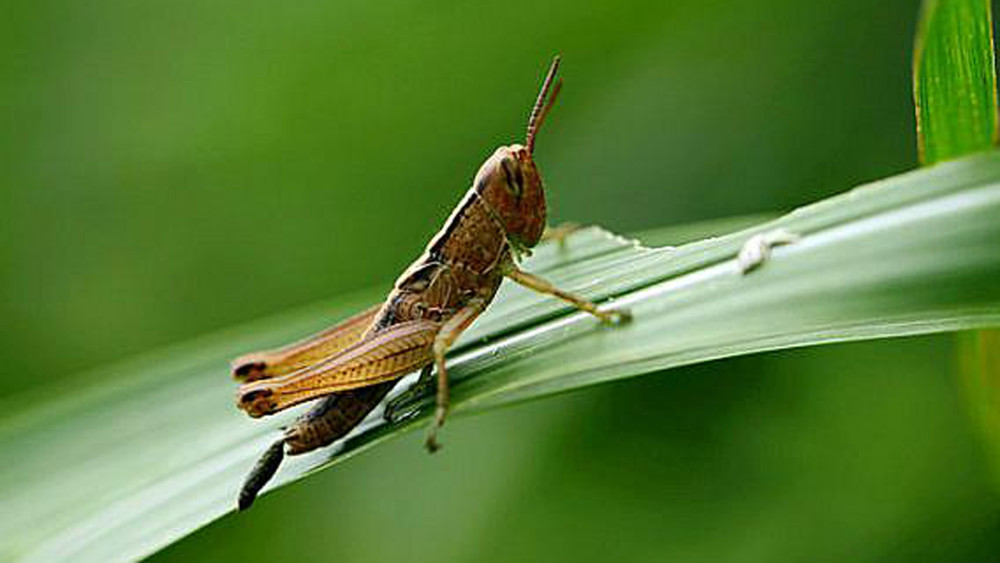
{"points": [[385, 355]]}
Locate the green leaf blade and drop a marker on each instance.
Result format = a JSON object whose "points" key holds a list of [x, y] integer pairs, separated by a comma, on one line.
{"points": [[131, 459], [954, 84]]}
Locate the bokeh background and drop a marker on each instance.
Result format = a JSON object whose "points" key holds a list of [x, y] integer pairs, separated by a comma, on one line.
{"points": [[172, 169]]}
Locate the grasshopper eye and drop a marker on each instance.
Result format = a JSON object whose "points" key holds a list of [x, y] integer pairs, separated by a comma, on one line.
{"points": [[513, 177]]}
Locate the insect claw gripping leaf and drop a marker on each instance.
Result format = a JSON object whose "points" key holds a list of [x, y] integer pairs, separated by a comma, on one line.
{"points": [[352, 366]]}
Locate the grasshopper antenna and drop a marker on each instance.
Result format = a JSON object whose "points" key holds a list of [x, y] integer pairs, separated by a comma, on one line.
{"points": [[542, 106]]}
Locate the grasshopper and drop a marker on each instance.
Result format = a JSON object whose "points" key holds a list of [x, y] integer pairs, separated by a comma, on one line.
{"points": [[354, 365]]}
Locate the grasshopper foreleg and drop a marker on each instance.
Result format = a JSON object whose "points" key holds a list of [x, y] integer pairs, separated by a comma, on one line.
{"points": [[541, 285]]}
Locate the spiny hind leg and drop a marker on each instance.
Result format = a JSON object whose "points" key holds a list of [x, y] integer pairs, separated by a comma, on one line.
{"points": [[450, 332], [535, 283]]}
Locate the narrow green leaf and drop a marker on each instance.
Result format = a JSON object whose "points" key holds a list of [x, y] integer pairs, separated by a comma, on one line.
{"points": [[136, 456], [954, 82]]}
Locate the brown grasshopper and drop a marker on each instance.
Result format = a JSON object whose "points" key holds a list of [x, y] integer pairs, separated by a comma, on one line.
{"points": [[353, 365]]}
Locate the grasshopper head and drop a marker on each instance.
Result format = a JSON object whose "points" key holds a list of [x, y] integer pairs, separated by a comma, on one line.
{"points": [[509, 180], [509, 183]]}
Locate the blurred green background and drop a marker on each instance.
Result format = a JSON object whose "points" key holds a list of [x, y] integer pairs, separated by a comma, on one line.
{"points": [[170, 169]]}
